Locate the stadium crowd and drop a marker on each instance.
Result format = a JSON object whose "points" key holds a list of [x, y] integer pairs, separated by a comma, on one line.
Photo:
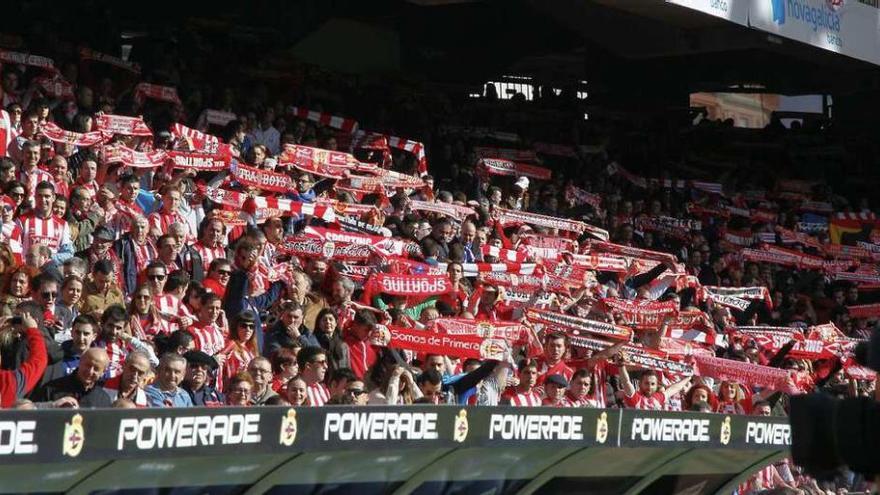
{"points": [[158, 251]]}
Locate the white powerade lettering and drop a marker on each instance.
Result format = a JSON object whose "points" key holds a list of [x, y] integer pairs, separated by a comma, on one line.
{"points": [[189, 431], [536, 427], [380, 426], [670, 430], [768, 433], [17, 437]]}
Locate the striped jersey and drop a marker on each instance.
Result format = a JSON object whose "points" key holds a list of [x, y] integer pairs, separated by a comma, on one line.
{"points": [[52, 232]]}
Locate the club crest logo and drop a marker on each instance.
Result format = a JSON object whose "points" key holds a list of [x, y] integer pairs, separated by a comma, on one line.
{"points": [[725, 431], [460, 430], [74, 436], [288, 428], [602, 428]]}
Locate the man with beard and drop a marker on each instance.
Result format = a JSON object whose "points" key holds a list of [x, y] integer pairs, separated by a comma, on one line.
{"points": [[82, 218]]}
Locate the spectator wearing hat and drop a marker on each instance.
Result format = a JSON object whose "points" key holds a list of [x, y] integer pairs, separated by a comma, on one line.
{"points": [[200, 373], [166, 391], [554, 391]]}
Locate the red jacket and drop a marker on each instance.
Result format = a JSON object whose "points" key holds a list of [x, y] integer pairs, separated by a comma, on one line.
{"points": [[17, 383]]}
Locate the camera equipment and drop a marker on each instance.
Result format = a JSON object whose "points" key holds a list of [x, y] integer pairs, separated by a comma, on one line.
{"points": [[828, 433], [16, 320]]}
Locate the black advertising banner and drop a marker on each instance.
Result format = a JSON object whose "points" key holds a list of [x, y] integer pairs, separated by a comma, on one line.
{"points": [[83, 435], [694, 430]]}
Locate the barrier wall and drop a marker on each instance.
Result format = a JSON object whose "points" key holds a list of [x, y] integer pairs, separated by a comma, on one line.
{"points": [[419, 449]]}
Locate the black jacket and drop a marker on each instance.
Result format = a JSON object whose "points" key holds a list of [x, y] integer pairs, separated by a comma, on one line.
{"points": [[70, 386]]}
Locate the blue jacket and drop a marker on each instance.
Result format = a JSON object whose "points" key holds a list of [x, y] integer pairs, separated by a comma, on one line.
{"points": [[238, 300]]}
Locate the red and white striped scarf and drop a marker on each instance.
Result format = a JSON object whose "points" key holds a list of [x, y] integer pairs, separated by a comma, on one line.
{"points": [[11, 235], [165, 94], [132, 158], [508, 217], [59, 135], [341, 123], [502, 254], [88, 54], [19, 58], [499, 166], [318, 394], [120, 124]]}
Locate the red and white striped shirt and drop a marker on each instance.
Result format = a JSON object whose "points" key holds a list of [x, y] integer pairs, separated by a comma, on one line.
{"points": [[640, 401], [318, 394], [526, 399], [570, 401], [124, 216], [169, 307], [161, 221], [52, 232], [209, 339], [208, 254], [117, 351], [12, 237], [237, 360], [31, 179]]}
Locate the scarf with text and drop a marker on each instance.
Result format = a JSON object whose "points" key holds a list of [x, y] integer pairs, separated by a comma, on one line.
{"points": [[419, 286], [59, 135], [506, 154], [421, 341], [641, 314], [132, 158], [397, 247], [514, 217], [637, 355], [200, 162], [608, 247], [10, 57], [477, 269], [120, 124], [499, 166], [574, 326], [304, 247], [864, 311], [741, 372], [92, 55], [457, 212], [262, 179], [195, 140], [757, 293]]}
